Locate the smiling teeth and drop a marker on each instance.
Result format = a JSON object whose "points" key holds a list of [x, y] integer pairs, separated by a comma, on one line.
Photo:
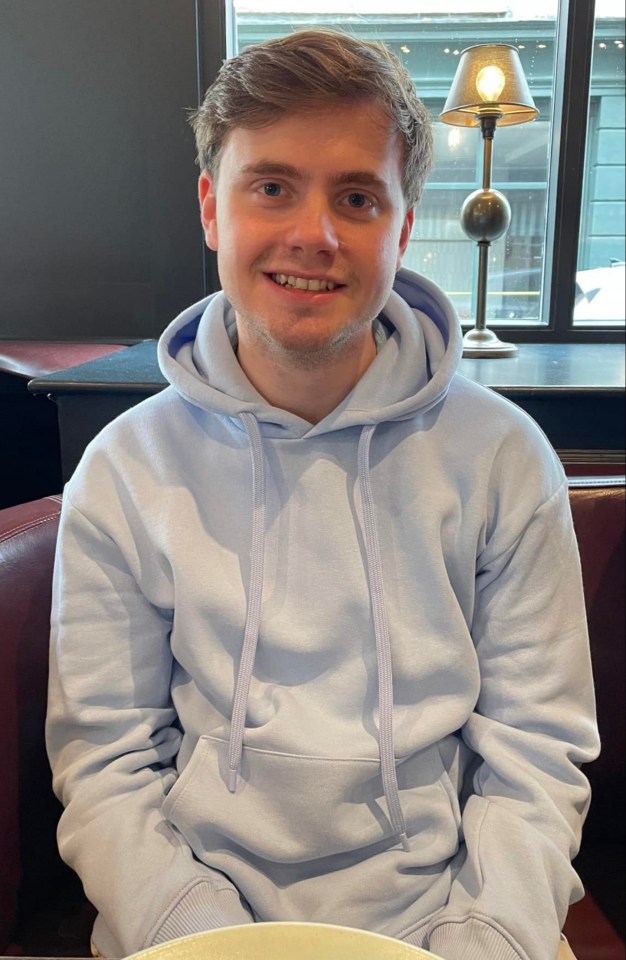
{"points": [[299, 283]]}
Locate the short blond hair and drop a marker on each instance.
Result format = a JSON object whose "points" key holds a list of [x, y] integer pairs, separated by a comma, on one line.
{"points": [[313, 68]]}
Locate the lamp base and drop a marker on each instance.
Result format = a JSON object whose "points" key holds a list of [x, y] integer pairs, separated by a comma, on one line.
{"points": [[484, 343]]}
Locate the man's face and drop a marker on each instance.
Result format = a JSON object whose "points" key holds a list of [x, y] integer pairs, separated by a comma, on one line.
{"points": [[309, 223]]}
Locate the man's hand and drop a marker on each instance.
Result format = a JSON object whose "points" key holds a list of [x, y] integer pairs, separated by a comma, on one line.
{"points": [[565, 952]]}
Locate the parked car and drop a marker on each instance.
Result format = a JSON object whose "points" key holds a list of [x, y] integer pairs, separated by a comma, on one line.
{"points": [[515, 295], [600, 293]]}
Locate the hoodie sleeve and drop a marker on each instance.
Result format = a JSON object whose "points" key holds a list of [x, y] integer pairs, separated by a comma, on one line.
{"points": [[112, 741], [532, 727]]}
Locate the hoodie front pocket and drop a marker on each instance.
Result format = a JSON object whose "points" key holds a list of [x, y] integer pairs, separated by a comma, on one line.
{"points": [[291, 808]]}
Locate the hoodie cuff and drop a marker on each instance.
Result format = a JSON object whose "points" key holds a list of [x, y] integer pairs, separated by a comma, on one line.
{"points": [[201, 908], [470, 940]]}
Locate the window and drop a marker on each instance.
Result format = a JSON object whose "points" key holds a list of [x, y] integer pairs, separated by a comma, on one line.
{"points": [[542, 282]]}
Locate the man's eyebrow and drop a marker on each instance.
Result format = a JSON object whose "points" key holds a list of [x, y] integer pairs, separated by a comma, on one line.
{"points": [[270, 168], [362, 178]]}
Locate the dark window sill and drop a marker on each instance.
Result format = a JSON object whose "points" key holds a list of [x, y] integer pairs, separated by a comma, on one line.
{"points": [[542, 369]]}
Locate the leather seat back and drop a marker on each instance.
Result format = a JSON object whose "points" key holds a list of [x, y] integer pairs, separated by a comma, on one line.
{"points": [[29, 863]]}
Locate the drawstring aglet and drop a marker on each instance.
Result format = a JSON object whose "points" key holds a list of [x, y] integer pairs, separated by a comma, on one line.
{"points": [[233, 775], [404, 840]]}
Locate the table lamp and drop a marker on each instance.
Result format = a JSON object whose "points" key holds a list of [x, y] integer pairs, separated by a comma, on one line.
{"points": [[489, 88]]}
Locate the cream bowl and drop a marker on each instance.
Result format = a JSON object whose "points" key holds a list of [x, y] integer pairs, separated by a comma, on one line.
{"points": [[285, 941]]}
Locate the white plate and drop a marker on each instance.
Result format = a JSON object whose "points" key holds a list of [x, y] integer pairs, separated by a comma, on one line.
{"points": [[285, 941]]}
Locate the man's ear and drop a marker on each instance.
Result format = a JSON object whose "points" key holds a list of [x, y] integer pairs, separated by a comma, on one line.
{"points": [[206, 196], [405, 236]]}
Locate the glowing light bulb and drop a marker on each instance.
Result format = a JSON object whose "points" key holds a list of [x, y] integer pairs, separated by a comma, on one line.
{"points": [[454, 138], [490, 83]]}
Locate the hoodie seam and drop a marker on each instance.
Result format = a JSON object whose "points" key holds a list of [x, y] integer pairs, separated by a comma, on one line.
{"points": [[486, 922], [169, 908], [540, 506], [68, 499], [479, 854]]}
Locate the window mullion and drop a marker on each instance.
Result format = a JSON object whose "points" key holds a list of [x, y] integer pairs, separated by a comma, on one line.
{"points": [[571, 104]]}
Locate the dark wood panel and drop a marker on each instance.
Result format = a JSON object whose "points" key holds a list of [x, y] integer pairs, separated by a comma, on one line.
{"points": [[100, 235]]}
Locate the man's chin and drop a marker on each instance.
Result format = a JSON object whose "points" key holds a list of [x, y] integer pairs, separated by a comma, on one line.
{"points": [[316, 349], [302, 343], [306, 352]]}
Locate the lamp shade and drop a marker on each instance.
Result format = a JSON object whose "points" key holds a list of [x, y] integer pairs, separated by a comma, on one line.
{"points": [[489, 81]]}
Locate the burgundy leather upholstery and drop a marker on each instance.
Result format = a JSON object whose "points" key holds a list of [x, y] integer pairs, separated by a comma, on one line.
{"points": [[27, 541], [599, 518], [37, 358], [41, 913]]}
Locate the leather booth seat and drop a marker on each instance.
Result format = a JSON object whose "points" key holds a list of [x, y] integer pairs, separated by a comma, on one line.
{"points": [[42, 909]]}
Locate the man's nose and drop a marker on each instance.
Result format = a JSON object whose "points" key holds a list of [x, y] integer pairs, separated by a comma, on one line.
{"points": [[314, 229]]}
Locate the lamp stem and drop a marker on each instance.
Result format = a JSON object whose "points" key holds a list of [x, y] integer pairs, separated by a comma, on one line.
{"points": [[481, 294], [487, 161]]}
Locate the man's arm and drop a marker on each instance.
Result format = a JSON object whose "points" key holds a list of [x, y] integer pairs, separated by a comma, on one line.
{"points": [[112, 740], [533, 725]]}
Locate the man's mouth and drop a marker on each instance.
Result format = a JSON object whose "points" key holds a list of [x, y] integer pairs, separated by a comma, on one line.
{"points": [[302, 283]]}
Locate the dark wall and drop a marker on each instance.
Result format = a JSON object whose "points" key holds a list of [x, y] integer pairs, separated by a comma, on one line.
{"points": [[99, 235]]}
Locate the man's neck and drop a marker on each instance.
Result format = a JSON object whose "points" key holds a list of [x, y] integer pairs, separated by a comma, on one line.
{"points": [[310, 392]]}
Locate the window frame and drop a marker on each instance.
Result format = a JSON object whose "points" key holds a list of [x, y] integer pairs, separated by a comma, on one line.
{"points": [[575, 33], [574, 55]]}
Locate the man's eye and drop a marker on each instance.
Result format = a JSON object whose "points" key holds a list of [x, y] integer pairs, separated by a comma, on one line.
{"points": [[358, 201], [271, 189]]}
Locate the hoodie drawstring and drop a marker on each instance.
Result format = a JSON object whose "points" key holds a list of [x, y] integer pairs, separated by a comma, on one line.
{"points": [[381, 626], [383, 644], [253, 612]]}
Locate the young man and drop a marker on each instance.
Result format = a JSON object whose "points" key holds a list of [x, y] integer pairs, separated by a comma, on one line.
{"points": [[319, 646]]}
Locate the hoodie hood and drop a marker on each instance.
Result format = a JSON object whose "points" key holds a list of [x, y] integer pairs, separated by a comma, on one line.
{"points": [[411, 373]]}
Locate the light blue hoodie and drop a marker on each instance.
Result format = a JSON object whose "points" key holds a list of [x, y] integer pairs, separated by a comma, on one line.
{"points": [[332, 673]]}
